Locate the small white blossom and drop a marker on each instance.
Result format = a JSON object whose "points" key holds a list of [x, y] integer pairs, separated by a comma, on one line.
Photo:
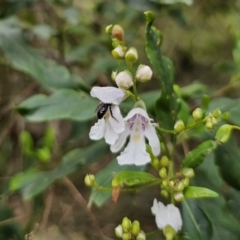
{"points": [[167, 215], [111, 123], [124, 80], [131, 55], [144, 73], [138, 125]]}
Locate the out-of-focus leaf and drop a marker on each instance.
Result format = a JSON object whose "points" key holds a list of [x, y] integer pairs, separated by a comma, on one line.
{"points": [[63, 104], [166, 106], [205, 219], [194, 89], [28, 60], [228, 160], [32, 181], [10, 7], [230, 105], [132, 178], [197, 155], [188, 2], [72, 15], [44, 31], [104, 179], [199, 192]]}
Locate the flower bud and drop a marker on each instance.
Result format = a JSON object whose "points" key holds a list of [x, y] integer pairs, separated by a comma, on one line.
{"points": [[135, 228], [144, 73], [188, 172], [179, 187], [155, 163], [185, 182], [126, 223], [223, 133], [119, 231], [169, 232], [124, 80], [149, 15], [216, 113], [197, 114], [178, 196], [164, 193], [108, 29], [164, 184], [179, 126], [163, 172], [172, 184], [89, 180], [126, 236], [141, 236], [118, 52], [118, 32], [113, 75], [225, 116], [164, 161], [209, 124], [214, 121], [131, 55]]}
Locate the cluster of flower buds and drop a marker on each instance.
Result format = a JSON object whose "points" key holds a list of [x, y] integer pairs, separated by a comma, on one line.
{"points": [[125, 79], [130, 230], [176, 186], [210, 121]]}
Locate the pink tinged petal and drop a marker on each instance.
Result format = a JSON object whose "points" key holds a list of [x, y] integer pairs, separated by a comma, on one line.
{"points": [[121, 140], [98, 130], [110, 135], [151, 135], [135, 111], [116, 120], [135, 153], [108, 94]]}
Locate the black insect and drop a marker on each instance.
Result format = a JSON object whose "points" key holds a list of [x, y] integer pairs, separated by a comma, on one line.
{"points": [[102, 109]]}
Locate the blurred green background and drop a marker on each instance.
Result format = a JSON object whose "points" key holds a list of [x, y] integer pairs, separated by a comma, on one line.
{"points": [[59, 48]]}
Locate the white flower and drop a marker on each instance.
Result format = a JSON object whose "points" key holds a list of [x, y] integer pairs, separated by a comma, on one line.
{"points": [[124, 80], [110, 122], [137, 125], [166, 215], [144, 73]]}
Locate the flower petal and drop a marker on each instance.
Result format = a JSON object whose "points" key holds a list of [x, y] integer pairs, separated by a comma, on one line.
{"points": [[151, 135], [110, 135], [136, 111], [98, 130], [116, 120], [174, 217], [108, 94], [120, 141], [135, 152]]}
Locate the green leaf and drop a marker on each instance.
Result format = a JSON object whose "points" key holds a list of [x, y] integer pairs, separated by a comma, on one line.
{"points": [[28, 60], [104, 179], [228, 160], [130, 178], [199, 192], [63, 104], [205, 219], [188, 2], [166, 105], [33, 181], [197, 155]]}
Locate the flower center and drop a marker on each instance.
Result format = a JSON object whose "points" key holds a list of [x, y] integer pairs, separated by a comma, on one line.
{"points": [[137, 122]]}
